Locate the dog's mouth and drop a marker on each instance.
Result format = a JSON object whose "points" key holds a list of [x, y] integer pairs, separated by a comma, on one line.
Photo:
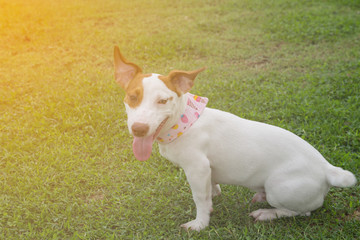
{"points": [[161, 125], [142, 146]]}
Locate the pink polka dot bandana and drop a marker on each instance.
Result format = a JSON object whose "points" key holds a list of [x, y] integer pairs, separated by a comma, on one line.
{"points": [[194, 108]]}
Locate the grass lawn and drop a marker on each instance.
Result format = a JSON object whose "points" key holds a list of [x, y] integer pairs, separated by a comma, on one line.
{"points": [[67, 170]]}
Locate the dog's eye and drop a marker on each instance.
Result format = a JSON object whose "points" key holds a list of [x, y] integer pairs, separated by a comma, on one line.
{"points": [[162, 101], [133, 98]]}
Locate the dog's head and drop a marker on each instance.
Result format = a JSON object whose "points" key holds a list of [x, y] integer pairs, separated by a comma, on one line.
{"points": [[152, 101]]}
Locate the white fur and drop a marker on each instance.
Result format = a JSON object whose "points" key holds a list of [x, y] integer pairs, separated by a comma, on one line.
{"points": [[221, 148], [149, 111]]}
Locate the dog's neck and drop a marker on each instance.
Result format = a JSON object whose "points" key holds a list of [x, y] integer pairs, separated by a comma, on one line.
{"points": [[191, 108]]}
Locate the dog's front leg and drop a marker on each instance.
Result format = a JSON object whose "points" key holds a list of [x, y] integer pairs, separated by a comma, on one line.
{"points": [[198, 174]]}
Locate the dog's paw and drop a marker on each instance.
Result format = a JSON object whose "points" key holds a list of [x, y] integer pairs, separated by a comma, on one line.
{"points": [[195, 225], [270, 214], [216, 190], [308, 214], [264, 214]]}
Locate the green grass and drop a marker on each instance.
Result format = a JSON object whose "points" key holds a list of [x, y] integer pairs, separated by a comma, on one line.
{"points": [[67, 170]]}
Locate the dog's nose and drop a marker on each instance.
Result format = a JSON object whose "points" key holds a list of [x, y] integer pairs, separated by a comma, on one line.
{"points": [[140, 129]]}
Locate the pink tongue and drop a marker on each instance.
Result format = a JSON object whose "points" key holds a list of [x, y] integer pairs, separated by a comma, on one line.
{"points": [[142, 147]]}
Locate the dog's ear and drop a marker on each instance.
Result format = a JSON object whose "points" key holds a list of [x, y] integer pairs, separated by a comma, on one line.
{"points": [[181, 81], [124, 70]]}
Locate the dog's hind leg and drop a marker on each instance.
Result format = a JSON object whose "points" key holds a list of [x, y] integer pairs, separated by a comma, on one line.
{"points": [[291, 195]]}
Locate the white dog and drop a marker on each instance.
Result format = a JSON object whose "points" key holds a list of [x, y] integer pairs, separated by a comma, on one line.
{"points": [[215, 147]]}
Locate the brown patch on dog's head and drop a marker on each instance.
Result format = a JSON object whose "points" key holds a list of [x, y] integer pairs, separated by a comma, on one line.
{"points": [[180, 81], [129, 76], [135, 90]]}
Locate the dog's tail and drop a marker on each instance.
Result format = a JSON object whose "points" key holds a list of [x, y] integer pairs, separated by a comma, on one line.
{"points": [[339, 177]]}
